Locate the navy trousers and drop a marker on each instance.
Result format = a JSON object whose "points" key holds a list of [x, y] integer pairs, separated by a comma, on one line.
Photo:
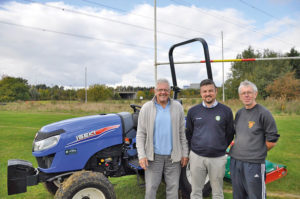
{"points": [[248, 180]]}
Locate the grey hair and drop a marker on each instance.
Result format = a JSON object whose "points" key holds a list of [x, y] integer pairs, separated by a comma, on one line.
{"points": [[247, 83], [162, 80]]}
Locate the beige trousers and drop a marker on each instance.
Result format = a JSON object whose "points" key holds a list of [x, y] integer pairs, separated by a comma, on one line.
{"points": [[200, 167]]}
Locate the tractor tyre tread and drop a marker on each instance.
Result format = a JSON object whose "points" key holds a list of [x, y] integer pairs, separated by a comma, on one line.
{"points": [[51, 187], [84, 179], [186, 187]]}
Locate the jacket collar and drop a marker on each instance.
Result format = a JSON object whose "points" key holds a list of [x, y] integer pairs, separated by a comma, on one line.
{"points": [[154, 100]]}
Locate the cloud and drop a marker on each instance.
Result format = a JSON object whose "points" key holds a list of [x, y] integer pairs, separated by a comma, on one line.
{"points": [[44, 44]]}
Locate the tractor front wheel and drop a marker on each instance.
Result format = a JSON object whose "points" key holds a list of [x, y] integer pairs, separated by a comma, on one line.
{"points": [[86, 185]]}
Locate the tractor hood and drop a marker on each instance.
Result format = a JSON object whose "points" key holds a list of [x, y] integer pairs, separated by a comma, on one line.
{"points": [[71, 125], [57, 146]]}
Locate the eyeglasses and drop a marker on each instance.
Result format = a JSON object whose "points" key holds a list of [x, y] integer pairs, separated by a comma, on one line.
{"points": [[247, 93], [163, 90]]}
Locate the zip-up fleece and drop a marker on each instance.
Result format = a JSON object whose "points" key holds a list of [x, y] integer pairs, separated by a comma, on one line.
{"points": [[145, 131]]}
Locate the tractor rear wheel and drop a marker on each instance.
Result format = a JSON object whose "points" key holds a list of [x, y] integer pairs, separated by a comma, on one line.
{"points": [[51, 187], [185, 183], [86, 185]]}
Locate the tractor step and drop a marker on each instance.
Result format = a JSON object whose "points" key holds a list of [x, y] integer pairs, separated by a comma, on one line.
{"points": [[134, 164]]}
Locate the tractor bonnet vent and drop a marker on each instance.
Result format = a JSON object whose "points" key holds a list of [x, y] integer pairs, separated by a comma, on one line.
{"points": [[43, 135]]}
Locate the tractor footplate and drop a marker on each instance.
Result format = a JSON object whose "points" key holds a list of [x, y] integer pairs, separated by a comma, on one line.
{"points": [[134, 163]]}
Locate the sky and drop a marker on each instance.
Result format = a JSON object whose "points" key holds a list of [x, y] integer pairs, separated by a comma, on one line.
{"points": [[112, 41]]}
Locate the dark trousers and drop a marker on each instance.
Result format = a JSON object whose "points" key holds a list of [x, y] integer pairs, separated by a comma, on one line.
{"points": [[248, 180]]}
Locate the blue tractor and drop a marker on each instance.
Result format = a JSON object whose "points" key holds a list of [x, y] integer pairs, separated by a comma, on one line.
{"points": [[76, 156]]}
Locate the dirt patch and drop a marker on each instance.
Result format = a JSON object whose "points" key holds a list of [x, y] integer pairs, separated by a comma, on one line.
{"points": [[284, 195]]}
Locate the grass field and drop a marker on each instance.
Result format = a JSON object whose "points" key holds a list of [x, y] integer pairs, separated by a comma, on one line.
{"points": [[18, 129]]}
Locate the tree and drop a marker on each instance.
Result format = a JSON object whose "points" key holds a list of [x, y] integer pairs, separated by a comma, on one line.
{"points": [[116, 96], [70, 94], [295, 63], [41, 86], [81, 94], [44, 94], [240, 71], [99, 92], [34, 94], [285, 88], [140, 94], [149, 93], [56, 92], [262, 73], [12, 89]]}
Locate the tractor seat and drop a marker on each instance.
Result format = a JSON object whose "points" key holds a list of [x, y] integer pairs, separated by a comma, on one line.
{"points": [[129, 122], [135, 117]]}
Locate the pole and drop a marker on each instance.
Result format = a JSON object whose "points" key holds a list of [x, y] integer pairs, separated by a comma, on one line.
{"points": [[223, 67], [70, 93], [155, 44], [230, 60], [85, 84]]}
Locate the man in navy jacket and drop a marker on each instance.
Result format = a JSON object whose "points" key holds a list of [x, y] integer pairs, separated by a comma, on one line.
{"points": [[209, 132]]}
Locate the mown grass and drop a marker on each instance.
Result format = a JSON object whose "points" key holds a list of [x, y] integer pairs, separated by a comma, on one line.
{"points": [[16, 135], [287, 152], [19, 125]]}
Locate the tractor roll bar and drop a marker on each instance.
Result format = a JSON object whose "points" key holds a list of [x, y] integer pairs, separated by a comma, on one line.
{"points": [[175, 88]]}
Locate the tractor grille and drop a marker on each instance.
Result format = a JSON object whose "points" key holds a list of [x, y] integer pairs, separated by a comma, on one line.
{"points": [[45, 161]]}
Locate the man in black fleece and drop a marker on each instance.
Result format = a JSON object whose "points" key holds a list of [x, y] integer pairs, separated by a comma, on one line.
{"points": [[209, 132]]}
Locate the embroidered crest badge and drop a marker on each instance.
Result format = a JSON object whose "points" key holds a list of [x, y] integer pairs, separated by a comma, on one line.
{"points": [[251, 124], [218, 118]]}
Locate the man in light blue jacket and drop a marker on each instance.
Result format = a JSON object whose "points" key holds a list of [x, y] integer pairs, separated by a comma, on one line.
{"points": [[161, 142]]}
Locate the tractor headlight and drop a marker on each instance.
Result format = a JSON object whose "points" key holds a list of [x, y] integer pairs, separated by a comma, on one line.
{"points": [[46, 143]]}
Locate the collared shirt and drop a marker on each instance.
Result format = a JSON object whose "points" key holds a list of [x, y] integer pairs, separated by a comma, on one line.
{"points": [[162, 130], [214, 104]]}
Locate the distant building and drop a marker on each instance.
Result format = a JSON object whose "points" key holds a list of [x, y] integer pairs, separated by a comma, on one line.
{"points": [[127, 94], [192, 86], [195, 86]]}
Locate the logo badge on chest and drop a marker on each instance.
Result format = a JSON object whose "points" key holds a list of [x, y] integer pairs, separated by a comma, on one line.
{"points": [[251, 124]]}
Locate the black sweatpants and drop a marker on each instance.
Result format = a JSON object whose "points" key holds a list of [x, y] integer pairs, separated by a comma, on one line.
{"points": [[248, 180]]}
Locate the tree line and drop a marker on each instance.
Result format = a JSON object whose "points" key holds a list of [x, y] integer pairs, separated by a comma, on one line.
{"points": [[14, 89], [285, 74], [278, 78]]}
